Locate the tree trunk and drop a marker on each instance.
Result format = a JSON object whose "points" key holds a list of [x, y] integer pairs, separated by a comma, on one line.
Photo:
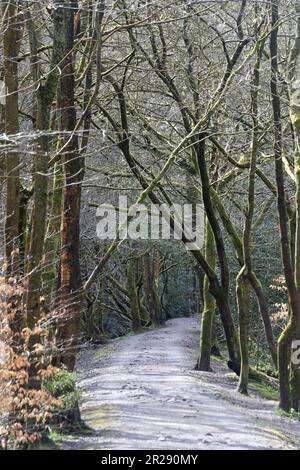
{"points": [[44, 96], [254, 281], [150, 290], [133, 295], [243, 301], [53, 238], [209, 305], [221, 294], [242, 288], [10, 53], [295, 118], [286, 337], [71, 284]]}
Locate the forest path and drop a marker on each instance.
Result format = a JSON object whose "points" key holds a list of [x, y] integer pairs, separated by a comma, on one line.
{"points": [[141, 392]]}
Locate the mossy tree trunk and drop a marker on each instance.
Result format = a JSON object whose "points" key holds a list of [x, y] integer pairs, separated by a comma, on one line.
{"points": [[243, 302], [73, 163], [133, 294], [242, 287], [209, 305], [52, 239], [2, 153], [144, 312], [93, 313], [156, 278], [221, 294], [11, 125], [150, 288], [44, 95], [252, 277], [294, 326], [284, 344]]}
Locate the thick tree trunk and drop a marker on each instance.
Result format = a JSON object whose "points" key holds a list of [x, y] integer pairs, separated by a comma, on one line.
{"points": [[295, 118], [2, 159], [286, 337], [71, 285], [10, 53], [44, 97]]}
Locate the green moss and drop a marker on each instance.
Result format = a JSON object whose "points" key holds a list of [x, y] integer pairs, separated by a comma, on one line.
{"points": [[295, 414], [265, 386], [97, 417], [265, 391], [296, 121], [292, 413], [219, 359]]}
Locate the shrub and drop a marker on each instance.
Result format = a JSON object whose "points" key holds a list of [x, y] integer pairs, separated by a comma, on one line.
{"points": [[62, 386], [26, 363]]}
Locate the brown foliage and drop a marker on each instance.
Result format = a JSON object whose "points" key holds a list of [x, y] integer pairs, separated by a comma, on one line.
{"points": [[26, 408]]}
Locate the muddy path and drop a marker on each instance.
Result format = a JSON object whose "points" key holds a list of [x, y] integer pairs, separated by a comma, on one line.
{"points": [[141, 392]]}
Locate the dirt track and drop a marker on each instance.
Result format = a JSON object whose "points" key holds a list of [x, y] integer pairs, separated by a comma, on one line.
{"points": [[140, 392]]}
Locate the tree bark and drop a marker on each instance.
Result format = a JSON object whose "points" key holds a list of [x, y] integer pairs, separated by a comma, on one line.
{"points": [[284, 343], [254, 281], [73, 162], [294, 76], [222, 292], [44, 96], [133, 295], [209, 305], [12, 159], [52, 239], [150, 290]]}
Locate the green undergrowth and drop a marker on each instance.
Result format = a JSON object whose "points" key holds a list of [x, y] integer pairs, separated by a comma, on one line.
{"points": [[219, 359], [291, 414], [62, 385], [66, 419], [259, 382], [265, 391]]}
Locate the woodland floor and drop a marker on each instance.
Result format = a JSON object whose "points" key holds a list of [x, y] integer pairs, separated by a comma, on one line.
{"points": [[141, 392]]}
